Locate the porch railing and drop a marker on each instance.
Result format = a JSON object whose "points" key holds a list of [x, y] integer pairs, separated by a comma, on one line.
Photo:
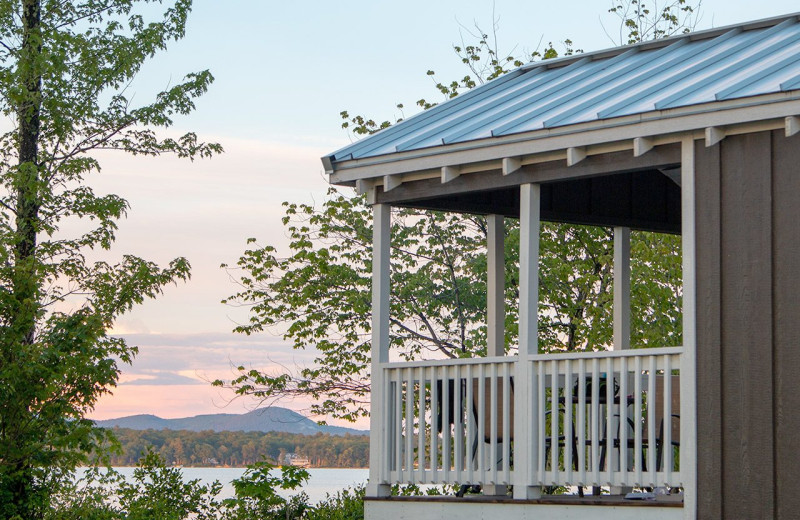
{"points": [[439, 415], [595, 419]]}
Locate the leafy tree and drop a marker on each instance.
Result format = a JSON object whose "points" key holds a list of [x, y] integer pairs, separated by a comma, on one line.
{"points": [[318, 295], [65, 74], [257, 494]]}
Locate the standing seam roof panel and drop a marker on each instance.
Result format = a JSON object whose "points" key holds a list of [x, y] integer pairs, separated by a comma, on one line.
{"points": [[743, 61]]}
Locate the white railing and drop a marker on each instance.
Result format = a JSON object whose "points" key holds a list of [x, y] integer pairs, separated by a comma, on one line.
{"points": [[444, 426], [617, 420], [596, 419]]}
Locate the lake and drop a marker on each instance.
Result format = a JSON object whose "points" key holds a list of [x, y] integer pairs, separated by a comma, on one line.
{"points": [[323, 481]]}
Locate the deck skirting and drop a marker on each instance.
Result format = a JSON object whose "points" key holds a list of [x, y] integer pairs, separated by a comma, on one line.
{"points": [[555, 508]]}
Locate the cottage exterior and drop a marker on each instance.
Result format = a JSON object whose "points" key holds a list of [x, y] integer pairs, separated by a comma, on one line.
{"points": [[696, 135]]}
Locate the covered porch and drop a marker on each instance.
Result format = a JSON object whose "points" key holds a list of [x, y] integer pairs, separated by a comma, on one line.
{"points": [[535, 422], [623, 139]]}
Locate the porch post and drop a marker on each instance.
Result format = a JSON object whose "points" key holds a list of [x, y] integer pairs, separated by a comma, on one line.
{"points": [[525, 447], [378, 485], [622, 288], [688, 379], [495, 286]]}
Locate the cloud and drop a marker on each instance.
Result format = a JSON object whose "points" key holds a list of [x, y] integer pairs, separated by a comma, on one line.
{"points": [[160, 379]]}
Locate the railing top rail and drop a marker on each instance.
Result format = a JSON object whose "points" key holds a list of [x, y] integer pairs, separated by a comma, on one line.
{"points": [[665, 351], [451, 362], [634, 352]]}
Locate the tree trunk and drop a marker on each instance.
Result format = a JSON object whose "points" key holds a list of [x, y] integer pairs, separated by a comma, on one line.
{"points": [[19, 479], [28, 114]]}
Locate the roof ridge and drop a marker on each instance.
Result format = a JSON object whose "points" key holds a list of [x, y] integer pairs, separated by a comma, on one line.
{"points": [[661, 42]]}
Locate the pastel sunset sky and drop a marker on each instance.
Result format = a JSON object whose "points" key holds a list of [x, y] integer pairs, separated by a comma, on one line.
{"points": [[284, 70]]}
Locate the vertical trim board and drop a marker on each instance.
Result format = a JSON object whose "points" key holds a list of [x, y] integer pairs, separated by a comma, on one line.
{"points": [[746, 340], [786, 321], [709, 361]]}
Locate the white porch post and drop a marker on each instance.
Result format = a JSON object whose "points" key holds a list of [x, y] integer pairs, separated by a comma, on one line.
{"points": [[378, 485], [525, 447], [495, 287], [622, 288], [688, 377]]}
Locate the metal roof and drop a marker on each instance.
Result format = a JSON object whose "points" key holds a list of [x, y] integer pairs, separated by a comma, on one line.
{"points": [[741, 61]]}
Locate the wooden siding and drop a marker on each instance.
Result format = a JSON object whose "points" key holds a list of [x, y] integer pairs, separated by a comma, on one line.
{"points": [[748, 277]]}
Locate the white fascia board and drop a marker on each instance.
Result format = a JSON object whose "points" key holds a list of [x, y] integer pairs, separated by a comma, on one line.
{"points": [[652, 124]]}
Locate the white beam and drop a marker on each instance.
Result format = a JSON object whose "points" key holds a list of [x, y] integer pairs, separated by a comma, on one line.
{"points": [[642, 145], [622, 288], [378, 485], [366, 186], [511, 165], [525, 452], [450, 173], [495, 286], [391, 182], [714, 134], [575, 155], [792, 125], [688, 380]]}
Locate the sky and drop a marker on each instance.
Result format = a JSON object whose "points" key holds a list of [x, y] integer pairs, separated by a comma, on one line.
{"points": [[284, 71]]}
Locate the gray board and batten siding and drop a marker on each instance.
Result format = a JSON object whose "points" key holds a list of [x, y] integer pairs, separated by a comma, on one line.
{"points": [[748, 326]]}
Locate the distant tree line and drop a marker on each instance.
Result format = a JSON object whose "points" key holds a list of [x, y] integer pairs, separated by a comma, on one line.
{"points": [[238, 449]]}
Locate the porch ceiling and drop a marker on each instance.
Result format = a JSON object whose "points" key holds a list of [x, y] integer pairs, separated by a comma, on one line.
{"points": [[647, 201]]}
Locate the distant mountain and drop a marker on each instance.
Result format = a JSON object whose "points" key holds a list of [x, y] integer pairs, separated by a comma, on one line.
{"points": [[261, 420]]}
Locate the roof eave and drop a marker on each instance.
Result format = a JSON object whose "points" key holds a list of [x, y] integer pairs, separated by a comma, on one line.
{"points": [[655, 123]]}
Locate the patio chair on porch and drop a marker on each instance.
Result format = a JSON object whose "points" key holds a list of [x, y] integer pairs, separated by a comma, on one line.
{"points": [[660, 418]]}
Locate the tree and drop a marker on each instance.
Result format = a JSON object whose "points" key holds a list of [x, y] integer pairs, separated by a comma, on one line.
{"points": [[318, 295], [65, 71]]}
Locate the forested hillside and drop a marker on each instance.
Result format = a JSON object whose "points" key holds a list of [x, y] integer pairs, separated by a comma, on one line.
{"points": [[188, 448]]}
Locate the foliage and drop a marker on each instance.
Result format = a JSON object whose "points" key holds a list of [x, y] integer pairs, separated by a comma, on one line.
{"points": [[347, 504], [317, 294], [642, 20], [65, 70], [257, 494], [239, 449], [159, 492], [154, 492]]}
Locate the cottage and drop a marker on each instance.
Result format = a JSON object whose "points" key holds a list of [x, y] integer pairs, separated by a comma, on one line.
{"points": [[695, 135]]}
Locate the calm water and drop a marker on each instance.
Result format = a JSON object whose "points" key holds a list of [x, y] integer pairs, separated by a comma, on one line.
{"points": [[323, 480]]}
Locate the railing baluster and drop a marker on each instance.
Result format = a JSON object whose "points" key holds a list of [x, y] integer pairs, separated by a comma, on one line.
{"points": [[410, 425], [666, 449], [435, 412], [637, 417], [421, 462], [493, 429], [534, 478], [541, 408], [610, 407], [568, 428], [398, 424], [458, 425], [595, 417], [582, 421], [554, 421], [482, 424], [507, 423], [446, 462], [471, 439], [386, 460], [651, 421], [623, 421]]}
